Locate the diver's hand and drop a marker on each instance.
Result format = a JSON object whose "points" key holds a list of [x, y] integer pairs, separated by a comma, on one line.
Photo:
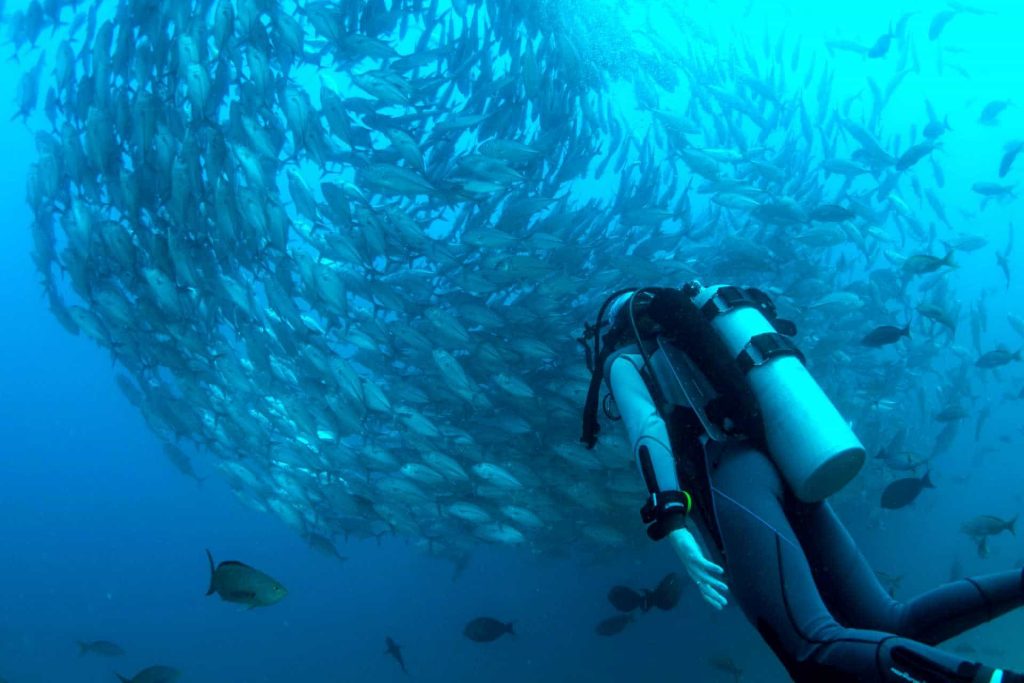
{"points": [[705, 574]]}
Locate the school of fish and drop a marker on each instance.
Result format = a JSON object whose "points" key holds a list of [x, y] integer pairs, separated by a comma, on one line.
{"points": [[344, 250]]}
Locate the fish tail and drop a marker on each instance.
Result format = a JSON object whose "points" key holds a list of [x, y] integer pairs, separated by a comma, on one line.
{"points": [[209, 555], [123, 679], [82, 648], [510, 628], [1011, 524], [927, 480], [906, 330], [948, 261]]}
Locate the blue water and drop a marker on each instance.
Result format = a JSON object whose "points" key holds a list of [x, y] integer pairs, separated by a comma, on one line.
{"points": [[103, 539]]}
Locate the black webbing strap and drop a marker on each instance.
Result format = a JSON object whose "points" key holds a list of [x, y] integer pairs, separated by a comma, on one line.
{"points": [[765, 347], [729, 298]]}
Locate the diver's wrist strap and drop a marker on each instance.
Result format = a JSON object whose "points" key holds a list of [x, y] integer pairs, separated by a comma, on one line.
{"points": [[664, 512]]}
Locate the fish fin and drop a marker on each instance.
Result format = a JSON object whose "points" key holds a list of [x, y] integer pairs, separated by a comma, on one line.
{"points": [[123, 679], [211, 590], [948, 260]]}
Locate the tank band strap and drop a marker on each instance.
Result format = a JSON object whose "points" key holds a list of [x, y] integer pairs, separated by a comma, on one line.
{"points": [[726, 299], [729, 298], [763, 348]]}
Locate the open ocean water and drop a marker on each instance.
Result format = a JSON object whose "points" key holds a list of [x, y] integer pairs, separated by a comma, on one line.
{"points": [[104, 539]]}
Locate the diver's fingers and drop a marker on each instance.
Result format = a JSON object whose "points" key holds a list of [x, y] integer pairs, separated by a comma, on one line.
{"points": [[714, 583], [712, 597], [710, 567], [703, 578]]}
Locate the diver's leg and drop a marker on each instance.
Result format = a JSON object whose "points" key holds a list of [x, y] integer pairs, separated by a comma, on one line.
{"points": [[855, 596], [773, 584]]}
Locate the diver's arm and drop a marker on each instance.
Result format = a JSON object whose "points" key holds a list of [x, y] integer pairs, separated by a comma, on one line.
{"points": [[669, 505]]}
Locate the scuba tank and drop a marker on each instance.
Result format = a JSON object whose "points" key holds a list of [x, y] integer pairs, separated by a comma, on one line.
{"points": [[724, 350], [809, 441]]}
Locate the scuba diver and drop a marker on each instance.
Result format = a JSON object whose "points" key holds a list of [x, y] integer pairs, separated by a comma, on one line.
{"points": [[739, 449]]}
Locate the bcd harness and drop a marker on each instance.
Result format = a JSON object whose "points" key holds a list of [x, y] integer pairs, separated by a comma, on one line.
{"points": [[653, 317]]}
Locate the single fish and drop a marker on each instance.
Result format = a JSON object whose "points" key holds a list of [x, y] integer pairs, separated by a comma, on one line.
{"points": [[1010, 152], [903, 492], [831, 213], [988, 525], [153, 674], [613, 625], [936, 128], [323, 545], [885, 335], [395, 651], [938, 314], [939, 22], [919, 264], [987, 189], [1016, 322], [968, 242], [915, 154], [845, 46], [951, 413], [997, 358], [487, 629], [238, 582], [901, 461], [725, 664], [881, 46], [990, 114]]}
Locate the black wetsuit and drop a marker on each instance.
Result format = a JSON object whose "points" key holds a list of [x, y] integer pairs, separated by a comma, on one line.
{"points": [[801, 581]]}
